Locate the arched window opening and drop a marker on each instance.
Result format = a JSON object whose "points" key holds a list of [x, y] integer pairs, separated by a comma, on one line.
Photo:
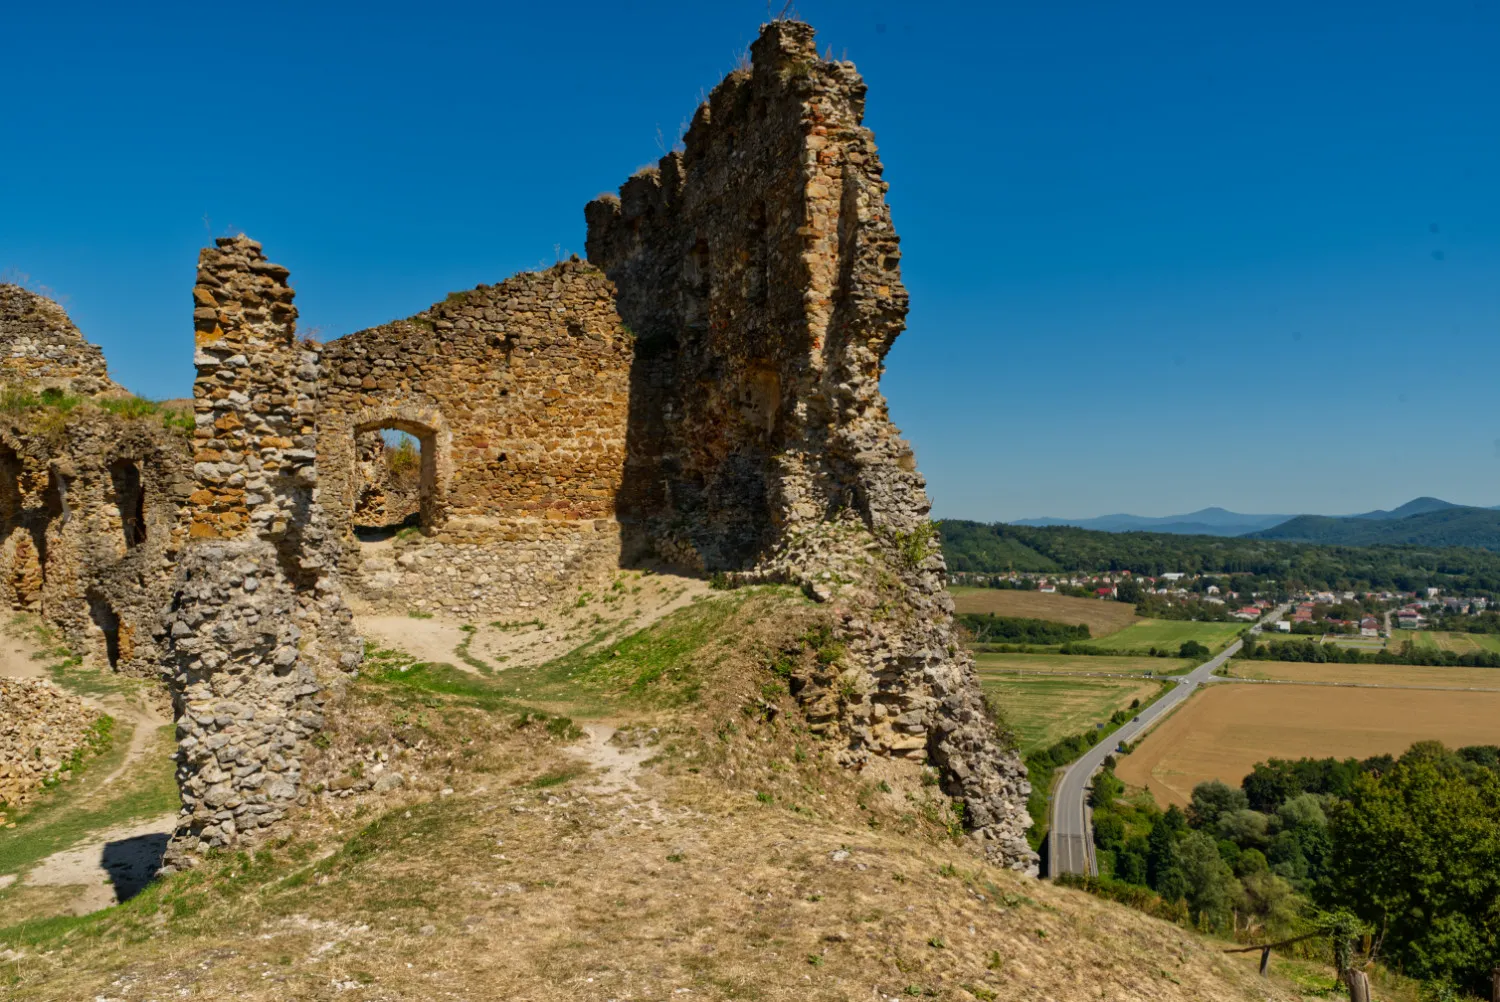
{"points": [[130, 499], [395, 479]]}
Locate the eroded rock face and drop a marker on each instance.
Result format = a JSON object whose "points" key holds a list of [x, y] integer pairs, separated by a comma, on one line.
{"points": [[760, 269]]}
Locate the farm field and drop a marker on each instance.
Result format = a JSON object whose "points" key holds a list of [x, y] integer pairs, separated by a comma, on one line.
{"points": [[1101, 617], [1008, 664], [1353, 643], [1459, 643], [1171, 633], [1420, 675], [1225, 729], [1043, 710]]}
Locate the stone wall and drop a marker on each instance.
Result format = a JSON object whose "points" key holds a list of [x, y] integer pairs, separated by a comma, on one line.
{"points": [[41, 727], [518, 394], [760, 270], [40, 347], [90, 528], [257, 627], [90, 497]]}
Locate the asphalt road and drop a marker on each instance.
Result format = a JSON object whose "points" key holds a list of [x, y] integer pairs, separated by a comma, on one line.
{"points": [[1072, 837]]}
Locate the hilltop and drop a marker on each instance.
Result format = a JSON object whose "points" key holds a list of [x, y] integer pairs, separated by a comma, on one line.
{"points": [[1449, 525], [667, 825]]}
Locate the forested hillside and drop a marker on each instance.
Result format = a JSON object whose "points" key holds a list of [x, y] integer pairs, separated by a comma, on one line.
{"points": [[1454, 526], [997, 548]]}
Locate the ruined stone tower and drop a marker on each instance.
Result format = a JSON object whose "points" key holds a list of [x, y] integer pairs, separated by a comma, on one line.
{"points": [[760, 271], [256, 606]]}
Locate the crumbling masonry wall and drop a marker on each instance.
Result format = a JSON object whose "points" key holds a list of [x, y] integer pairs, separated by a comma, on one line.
{"points": [[257, 610], [90, 499], [40, 347], [519, 396], [760, 270]]}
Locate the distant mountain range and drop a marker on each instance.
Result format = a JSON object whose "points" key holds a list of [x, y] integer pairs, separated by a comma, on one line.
{"points": [[1206, 522], [1425, 521]]}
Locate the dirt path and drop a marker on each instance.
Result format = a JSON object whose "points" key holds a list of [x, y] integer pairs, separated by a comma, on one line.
{"points": [[112, 864], [636, 601], [619, 761]]}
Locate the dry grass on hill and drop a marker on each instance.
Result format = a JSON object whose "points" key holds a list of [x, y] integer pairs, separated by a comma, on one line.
{"points": [[1102, 617], [709, 849]]}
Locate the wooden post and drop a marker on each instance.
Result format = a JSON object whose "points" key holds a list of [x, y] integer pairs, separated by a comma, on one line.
{"points": [[1495, 985], [1265, 962], [1359, 986]]}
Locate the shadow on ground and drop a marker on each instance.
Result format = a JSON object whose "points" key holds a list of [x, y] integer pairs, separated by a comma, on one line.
{"points": [[132, 862]]}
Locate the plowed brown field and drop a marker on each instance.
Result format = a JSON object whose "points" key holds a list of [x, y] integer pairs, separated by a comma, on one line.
{"points": [[1223, 731]]}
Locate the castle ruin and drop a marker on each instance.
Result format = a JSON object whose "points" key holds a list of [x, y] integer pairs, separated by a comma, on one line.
{"points": [[702, 391]]}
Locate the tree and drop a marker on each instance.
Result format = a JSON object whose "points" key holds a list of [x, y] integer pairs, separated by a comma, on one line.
{"points": [[1161, 854], [1270, 783], [1209, 884], [1128, 590], [1192, 649], [1245, 828], [1109, 831], [1416, 853], [1303, 809], [1270, 902], [1213, 798]]}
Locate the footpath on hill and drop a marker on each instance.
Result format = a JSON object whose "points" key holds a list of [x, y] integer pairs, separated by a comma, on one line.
{"points": [[96, 837]]}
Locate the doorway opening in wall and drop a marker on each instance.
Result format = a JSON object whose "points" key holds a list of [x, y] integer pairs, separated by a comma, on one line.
{"points": [[108, 623], [395, 481]]}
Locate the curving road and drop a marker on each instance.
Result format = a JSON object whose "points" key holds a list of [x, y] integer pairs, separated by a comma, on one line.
{"points": [[1072, 838]]}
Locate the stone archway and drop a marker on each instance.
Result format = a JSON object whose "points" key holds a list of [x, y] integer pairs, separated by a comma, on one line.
{"points": [[430, 495], [339, 475]]}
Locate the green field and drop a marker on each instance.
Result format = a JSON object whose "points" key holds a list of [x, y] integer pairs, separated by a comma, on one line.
{"points": [[1044, 710], [1170, 634], [1459, 643], [1008, 665]]}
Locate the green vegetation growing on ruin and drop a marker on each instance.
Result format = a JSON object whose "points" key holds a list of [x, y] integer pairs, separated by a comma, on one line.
{"points": [[54, 406]]}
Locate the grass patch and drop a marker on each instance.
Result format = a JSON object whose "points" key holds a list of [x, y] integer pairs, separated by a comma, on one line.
{"points": [[462, 650], [1170, 634], [658, 666], [1044, 710]]}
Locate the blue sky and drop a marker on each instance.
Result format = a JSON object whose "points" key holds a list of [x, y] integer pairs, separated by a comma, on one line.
{"points": [[1161, 255]]}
